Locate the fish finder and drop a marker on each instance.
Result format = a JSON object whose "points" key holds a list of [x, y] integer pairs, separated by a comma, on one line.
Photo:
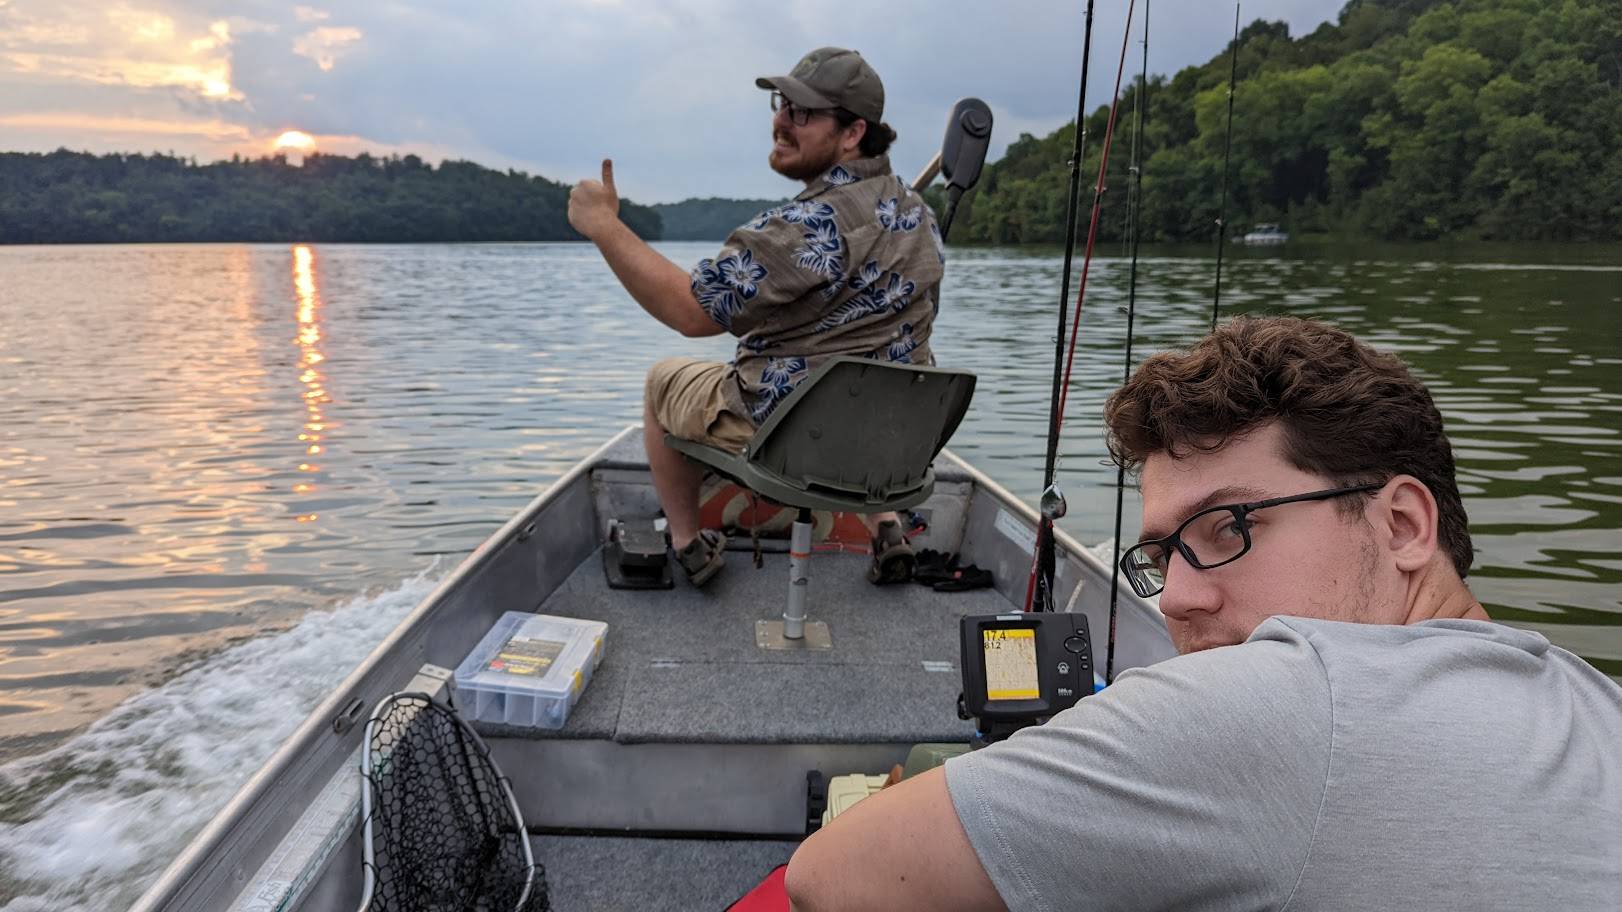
{"points": [[1020, 669]]}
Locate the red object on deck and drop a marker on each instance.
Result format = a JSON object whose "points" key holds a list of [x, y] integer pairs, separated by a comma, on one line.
{"points": [[769, 896]]}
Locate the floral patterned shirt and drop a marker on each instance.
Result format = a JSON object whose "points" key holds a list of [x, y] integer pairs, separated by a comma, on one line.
{"points": [[852, 266]]}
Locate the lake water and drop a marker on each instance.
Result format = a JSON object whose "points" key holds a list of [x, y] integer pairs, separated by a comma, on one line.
{"points": [[226, 471]]}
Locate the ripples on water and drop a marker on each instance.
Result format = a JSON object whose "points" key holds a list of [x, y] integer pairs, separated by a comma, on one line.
{"points": [[199, 445]]}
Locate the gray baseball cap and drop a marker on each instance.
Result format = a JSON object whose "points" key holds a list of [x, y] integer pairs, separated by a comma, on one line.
{"points": [[832, 77]]}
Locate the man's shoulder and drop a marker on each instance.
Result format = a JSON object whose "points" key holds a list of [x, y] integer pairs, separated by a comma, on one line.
{"points": [[875, 196], [1272, 652], [1221, 693], [1348, 647], [1464, 667], [855, 176], [1296, 650], [865, 192]]}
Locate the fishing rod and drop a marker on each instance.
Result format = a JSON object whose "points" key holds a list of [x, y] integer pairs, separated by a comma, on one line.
{"points": [[1227, 143], [1135, 217], [1053, 505]]}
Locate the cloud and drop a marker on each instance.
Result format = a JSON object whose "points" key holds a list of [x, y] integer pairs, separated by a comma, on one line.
{"points": [[326, 44], [120, 46], [553, 86], [210, 130], [142, 25], [210, 78]]}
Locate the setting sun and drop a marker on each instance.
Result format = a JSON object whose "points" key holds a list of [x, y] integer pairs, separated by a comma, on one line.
{"points": [[295, 141]]}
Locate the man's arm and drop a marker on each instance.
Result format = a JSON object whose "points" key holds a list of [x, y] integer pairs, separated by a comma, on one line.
{"points": [[1200, 776], [902, 848], [660, 286]]}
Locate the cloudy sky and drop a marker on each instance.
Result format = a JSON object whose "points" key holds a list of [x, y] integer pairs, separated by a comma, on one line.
{"points": [[665, 87]]}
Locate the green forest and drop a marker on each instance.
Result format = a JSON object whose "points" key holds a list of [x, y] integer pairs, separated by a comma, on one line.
{"points": [[74, 197], [1403, 120], [67, 197], [709, 219]]}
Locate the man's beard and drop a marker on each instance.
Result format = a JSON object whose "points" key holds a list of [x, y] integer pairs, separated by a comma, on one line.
{"points": [[807, 168]]}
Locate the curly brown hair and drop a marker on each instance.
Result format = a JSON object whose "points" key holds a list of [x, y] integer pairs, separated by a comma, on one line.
{"points": [[1349, 413]]}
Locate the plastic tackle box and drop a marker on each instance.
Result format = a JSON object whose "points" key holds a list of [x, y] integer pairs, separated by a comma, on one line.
{"points": [[530, 669]]}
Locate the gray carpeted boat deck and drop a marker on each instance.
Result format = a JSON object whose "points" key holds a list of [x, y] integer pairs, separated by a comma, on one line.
{"points": [[682, 665], [607, 874]]}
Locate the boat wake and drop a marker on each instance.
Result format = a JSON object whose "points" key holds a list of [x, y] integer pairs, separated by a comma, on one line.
{"points": [[90, 824]]}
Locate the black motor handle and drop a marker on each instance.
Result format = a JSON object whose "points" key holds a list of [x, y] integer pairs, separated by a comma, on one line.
{"points": [[963, 153]]}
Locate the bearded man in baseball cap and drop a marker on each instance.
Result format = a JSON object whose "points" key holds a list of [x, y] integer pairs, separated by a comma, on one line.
{"points": [[831, 80], [850, 266]]}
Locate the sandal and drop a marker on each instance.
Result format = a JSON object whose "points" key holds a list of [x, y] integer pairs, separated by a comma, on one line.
{"points": [[893, 560], [704, 556]]}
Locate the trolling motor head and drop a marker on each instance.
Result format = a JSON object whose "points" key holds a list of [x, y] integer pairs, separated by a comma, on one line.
{"points": [[963, 153], [968, 134]]}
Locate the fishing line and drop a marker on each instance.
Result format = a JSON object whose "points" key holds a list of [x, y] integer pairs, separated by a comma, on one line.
{"points": [[1135, 212], [1227, 143], [1053, 502]]}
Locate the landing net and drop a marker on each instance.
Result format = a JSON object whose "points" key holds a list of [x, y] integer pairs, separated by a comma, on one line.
{"points": [[441, 828]]}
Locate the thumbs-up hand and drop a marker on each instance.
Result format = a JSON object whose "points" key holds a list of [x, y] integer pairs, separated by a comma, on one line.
{"points": [[594, 205]]}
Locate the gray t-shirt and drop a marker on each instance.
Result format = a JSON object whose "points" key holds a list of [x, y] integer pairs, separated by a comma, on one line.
{"points": [[1318, 765]]}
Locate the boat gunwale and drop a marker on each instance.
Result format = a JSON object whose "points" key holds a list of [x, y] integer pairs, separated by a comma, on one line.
{"points": [[1072, 546], [180, 872]]}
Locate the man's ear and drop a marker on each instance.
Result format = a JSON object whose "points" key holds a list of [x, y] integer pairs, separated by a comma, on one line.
{"points": [[852, 138], [1410, 515]]}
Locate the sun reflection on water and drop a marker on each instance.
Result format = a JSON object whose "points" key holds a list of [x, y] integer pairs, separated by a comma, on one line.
{"points": [[308, 340]]}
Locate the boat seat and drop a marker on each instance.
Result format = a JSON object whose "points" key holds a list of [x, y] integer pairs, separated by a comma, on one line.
{"points": [[857, 435]]}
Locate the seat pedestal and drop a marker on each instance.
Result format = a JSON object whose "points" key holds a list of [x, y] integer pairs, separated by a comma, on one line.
{"points": [[793, 631]]}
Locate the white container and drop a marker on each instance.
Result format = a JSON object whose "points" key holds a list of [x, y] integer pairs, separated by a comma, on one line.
{"points": [[845, 791], [530, 669]]}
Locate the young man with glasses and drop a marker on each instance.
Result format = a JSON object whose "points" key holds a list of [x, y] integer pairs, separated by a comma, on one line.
{"points": [[851, 266], [1345, 728]]}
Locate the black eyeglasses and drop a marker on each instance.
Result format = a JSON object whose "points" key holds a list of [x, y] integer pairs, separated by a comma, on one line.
{"points": [[796, 113], [1210, 538]]}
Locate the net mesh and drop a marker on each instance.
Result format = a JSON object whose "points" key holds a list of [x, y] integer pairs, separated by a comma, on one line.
{"points": [[445, 835]]}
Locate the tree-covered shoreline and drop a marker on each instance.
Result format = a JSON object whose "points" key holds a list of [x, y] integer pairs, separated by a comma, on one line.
{"points": [[1402, 120], [709, 219], [67, 197]]}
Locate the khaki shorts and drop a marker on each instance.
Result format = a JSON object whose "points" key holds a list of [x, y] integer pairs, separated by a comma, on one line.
{"points": [[684, 395]]}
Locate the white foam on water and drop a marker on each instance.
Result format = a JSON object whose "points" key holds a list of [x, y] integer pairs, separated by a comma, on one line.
{"points": [[123, 798]]}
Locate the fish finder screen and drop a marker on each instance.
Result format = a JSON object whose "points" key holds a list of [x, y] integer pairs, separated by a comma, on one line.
{"points": [[1010, 664]]}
